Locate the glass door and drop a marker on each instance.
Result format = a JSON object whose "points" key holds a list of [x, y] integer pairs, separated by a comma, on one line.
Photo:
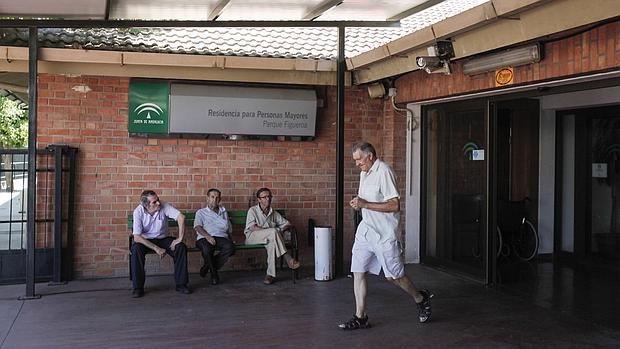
{"points": [[454, 186], [604, 203]]}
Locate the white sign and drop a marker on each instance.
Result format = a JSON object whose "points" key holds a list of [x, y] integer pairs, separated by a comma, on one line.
{"points": [[477, 154], [231, 110], [599, 170]]}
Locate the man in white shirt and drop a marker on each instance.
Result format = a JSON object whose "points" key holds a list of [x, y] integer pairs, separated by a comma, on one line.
{"points": [[150, 232], [376, 239], [213, 233], [264, 225]]}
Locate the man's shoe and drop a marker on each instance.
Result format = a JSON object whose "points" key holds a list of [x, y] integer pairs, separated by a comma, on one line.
{"points": [[183, 289], [215, 279], [269, 280], [293, 263], [204, 270], [137, 293], [355, 323], [424, 307]]}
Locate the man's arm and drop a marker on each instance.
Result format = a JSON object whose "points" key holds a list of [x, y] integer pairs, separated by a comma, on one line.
{"points": [[229, 230], [251, 221], [282, 224], [200, 230], [392, 205], [181, 223], [137, 238]]}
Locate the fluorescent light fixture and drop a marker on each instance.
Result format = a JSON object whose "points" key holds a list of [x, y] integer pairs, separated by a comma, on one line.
{"points": [[81, 9], [509, 58]]}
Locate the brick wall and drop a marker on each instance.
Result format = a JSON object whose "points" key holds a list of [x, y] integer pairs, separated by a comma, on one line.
{"points": [[114, 168], [594, 50]]}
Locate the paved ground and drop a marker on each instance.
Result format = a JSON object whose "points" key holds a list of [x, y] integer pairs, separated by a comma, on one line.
{"points": [[243, 313]]}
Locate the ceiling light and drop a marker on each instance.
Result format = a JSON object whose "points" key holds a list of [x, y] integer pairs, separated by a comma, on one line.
{"points": [[376, 90], [509, 58]]}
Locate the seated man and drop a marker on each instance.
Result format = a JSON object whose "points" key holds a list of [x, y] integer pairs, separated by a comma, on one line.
{"points": [[150, 231], [264, 225], [213, 233]]}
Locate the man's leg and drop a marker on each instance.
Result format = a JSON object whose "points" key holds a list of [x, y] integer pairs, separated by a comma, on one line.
{"points": [[180, 262], [422, 297], [207, 250], [275, 246], [359, 289], [406, 285], [360, 319], [362, 260], [227, 249], [138, 256]]}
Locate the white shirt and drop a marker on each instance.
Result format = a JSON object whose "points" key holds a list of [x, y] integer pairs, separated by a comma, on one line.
{"points": [[378, 184], [215, 223], [153, 226]]}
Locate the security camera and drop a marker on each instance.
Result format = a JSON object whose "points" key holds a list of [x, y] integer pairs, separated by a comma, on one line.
{"points": [[427, 62], [433, 64]]}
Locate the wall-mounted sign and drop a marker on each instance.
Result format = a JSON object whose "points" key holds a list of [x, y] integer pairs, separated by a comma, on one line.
{"points": [[148, 107], [599, 170], [504, 76], [477, 155], [232, 110]]}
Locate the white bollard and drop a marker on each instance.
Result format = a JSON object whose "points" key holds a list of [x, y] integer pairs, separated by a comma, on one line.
{"points": [[323, 262]]}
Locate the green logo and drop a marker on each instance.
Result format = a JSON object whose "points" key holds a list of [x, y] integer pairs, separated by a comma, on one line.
{"points": [[469, 148], [148, 107]]}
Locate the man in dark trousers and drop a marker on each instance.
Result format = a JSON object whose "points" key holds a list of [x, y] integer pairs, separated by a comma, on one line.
{"points": [[150, 232], [213, 233]]}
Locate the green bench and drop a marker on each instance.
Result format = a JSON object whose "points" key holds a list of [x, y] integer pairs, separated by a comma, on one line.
{"points": [[237, 219]]}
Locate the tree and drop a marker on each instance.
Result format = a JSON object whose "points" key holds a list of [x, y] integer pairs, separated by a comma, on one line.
{"points": [[13, 132], [13, 125]]}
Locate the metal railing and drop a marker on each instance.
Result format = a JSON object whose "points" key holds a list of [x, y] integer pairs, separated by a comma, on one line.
{"points": [[54, 213]]}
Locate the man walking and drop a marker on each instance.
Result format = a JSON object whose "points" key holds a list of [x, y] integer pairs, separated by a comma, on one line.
{"points": [[376, 241]]}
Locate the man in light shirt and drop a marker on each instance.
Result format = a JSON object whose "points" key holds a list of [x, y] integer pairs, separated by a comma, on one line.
{"points": [[376, 239], [150, 232], [213, 231], [264, 225]]}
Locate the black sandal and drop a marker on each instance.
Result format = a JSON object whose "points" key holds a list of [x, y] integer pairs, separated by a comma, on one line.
{"points": [[356, 323], [424, 307]]}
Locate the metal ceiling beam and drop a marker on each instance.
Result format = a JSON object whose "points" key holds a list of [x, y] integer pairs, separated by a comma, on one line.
{"points": [[321, 9], [62, 23], [423, 6], [217, 10], [107, 10], [13, 87]]}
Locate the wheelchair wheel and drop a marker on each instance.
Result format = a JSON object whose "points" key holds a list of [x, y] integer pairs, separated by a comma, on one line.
{"points": [[500, 243], [525, 242]]}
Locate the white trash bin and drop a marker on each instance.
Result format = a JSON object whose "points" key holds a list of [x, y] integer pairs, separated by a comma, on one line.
{"points": [[323, 262]]}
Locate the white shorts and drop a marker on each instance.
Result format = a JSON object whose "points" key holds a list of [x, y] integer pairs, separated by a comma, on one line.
{"points": [[372, 256]]}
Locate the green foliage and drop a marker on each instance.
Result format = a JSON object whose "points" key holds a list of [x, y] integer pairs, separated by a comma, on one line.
{"points": [[13, 125]]}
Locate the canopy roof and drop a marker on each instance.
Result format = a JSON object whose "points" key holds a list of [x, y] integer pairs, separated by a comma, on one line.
{"points": [[217, 10], [282, 42]]}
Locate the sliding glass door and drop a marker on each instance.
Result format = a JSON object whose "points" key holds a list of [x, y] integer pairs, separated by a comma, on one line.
{"points": [[454, 186]]}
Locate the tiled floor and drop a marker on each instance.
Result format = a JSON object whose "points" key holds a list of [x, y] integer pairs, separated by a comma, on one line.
{"points": [[243, 313], [589, 289]]}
